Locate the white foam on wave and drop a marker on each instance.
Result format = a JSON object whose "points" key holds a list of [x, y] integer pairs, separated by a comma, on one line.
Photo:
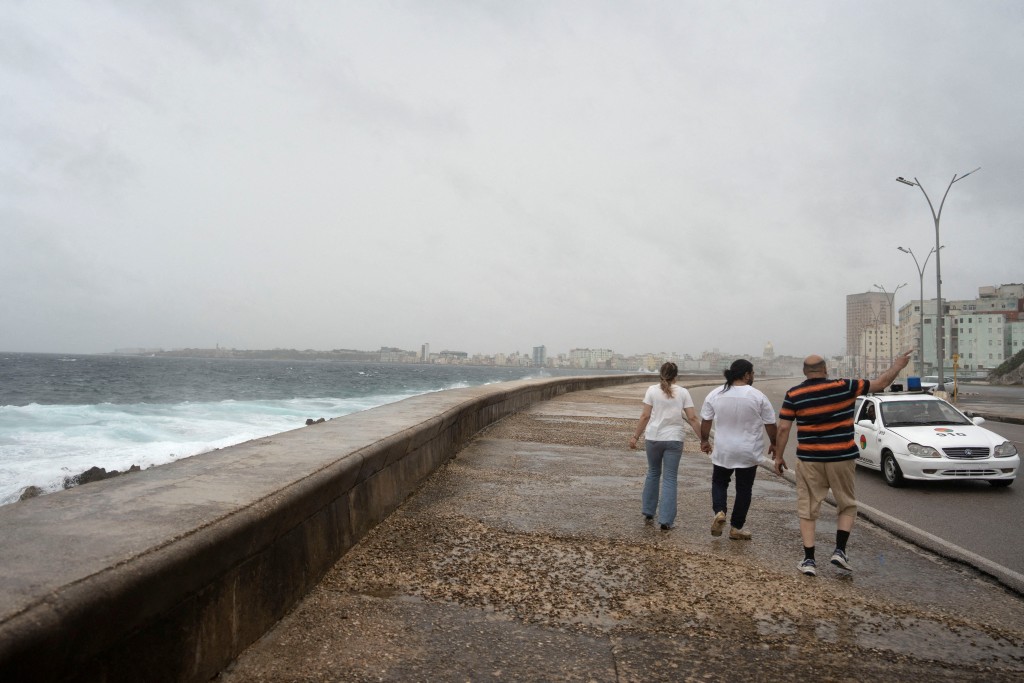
{"points": [[41, 445]]}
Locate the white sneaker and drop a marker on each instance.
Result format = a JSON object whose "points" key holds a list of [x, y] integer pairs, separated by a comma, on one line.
{"points": [[718, 524]]}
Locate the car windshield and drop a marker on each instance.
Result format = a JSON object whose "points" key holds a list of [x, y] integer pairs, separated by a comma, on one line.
{"points": [[910, 413]]}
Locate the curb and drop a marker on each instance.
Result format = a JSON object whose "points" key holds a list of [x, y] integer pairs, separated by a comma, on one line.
{"points": [[907, 532]]}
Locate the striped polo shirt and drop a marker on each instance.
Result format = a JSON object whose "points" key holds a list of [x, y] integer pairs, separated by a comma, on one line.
{"points": [[823, 411]]}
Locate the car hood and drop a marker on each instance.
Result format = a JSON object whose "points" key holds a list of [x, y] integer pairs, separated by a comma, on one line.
{"points": [[949, 435]]}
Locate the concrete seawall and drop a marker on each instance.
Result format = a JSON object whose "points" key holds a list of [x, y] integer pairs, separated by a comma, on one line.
{"points": [[170, 573]]}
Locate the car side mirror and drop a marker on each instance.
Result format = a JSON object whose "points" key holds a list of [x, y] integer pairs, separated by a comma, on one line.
{"points": [[866, 424], [977, 419]]}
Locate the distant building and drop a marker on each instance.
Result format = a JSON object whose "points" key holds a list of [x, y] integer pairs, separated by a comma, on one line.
{"points": [[980, 333], [452, 357], [590, 358], [391, 354], [540, 356], [864, 310], [425, 353], [875, 349]]}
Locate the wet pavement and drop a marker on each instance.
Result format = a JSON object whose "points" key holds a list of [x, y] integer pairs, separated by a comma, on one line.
{"points": [[526, 558]]}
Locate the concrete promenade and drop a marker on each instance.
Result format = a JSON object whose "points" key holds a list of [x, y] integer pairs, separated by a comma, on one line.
{"points": [[525, 558]]}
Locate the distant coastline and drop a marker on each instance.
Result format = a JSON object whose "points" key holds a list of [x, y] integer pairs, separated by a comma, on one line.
{"points": [[350, 355], [397, 356], [576, 359]]}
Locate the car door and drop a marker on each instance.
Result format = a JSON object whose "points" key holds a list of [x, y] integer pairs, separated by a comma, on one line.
{"points": [[867, 431]]}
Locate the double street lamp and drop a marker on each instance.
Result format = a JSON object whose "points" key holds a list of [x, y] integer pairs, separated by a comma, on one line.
{"points": [[920, 315], [892, 298], [939, 332]]}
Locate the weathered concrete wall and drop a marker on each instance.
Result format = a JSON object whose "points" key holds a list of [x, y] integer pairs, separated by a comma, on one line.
{"points": [[168, 574]]}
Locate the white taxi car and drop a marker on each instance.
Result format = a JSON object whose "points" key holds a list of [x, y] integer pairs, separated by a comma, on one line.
{"points": [[919, 436]]}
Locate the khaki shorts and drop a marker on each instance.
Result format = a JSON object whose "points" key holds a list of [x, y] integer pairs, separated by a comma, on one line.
{"points": [[814, 479]]}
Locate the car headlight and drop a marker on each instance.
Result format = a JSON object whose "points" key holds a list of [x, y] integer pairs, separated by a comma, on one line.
{"points": [[1005, 450], [923, 451]]}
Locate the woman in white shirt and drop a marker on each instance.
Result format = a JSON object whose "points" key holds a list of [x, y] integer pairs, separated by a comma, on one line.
{"points": [[667, 408], [741, 415]]}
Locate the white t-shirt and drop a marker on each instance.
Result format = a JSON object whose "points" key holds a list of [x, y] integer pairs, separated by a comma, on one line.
{"points": [[667, 422], [740, 415]]}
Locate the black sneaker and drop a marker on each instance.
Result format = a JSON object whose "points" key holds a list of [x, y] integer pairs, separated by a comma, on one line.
{"points": [[808, 567], [840, 560]]}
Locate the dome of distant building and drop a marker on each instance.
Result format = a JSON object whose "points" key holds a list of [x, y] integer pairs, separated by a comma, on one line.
{"points": [[769, 350]]}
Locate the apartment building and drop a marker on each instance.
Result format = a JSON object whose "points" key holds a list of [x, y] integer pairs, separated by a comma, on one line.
{"points": [[863, 311], [981, 333], [868, 328]]}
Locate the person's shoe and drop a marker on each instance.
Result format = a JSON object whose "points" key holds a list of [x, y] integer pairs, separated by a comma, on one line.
{"points": [[718, 524], [666, 527], [840, 560], [808, 567], [648, 519], [739, 534]]}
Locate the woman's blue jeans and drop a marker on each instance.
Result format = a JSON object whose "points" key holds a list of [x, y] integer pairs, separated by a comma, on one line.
{"points": [[662, 471], [720, 477]]}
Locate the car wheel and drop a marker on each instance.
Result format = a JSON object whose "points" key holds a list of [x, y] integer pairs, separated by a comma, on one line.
{"points": [[891, 470], [1000, 483]]}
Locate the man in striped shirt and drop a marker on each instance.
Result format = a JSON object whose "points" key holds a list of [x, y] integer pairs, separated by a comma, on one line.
{"points": [[826, 452]]}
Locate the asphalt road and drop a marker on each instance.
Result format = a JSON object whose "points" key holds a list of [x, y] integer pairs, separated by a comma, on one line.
{"points": [[970, 514]]}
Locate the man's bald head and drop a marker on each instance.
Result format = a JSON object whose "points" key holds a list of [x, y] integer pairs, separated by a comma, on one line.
{"points": [[814, 366]]}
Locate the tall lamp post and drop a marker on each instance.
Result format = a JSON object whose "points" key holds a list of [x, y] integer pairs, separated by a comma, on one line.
{"points": [[920, 315], [939, 332], [892, 298]]}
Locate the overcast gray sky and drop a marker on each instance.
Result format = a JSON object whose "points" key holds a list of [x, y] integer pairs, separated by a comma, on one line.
{"points": [[491, 176]]}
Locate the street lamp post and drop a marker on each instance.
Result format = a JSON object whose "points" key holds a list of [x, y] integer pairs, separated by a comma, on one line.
{"points": [[892, 299], [920, 315], [939, 351]]}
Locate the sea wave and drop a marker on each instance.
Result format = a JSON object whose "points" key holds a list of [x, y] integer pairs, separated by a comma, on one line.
{"points": [[45, 445], [60, 418]]}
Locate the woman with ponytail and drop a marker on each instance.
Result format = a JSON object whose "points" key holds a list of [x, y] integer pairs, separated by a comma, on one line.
{"points": [[741, 414], [667, 409]]}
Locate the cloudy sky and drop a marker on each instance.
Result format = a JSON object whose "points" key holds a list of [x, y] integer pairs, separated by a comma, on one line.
{"points": [[491, 176]]}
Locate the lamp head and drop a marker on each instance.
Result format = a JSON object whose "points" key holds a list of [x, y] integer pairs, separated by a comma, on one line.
{"points": [[905, 251], [903, 180]]}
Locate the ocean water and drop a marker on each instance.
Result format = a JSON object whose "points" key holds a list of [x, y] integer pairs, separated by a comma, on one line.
{"points": [[63, 414]]}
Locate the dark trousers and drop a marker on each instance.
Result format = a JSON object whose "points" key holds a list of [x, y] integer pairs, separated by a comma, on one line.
{"points": [[744, 487]]}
